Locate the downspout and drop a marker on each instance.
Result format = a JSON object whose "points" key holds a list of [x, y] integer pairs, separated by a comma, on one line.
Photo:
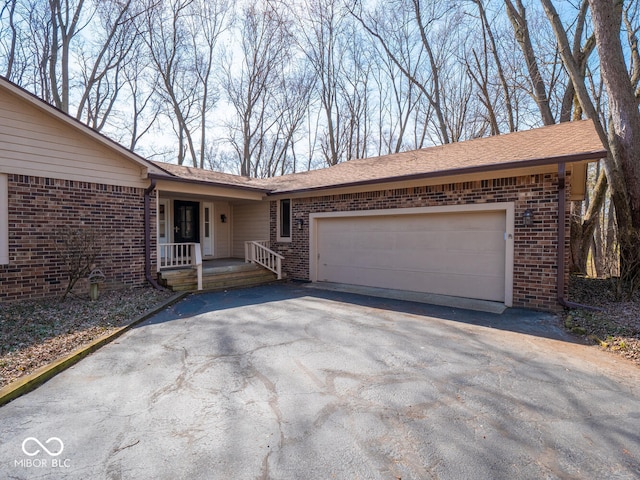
{"points": [[562, 237], [147, 235]]}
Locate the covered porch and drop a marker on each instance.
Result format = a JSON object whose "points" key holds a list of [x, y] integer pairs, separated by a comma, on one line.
{"points": [[212, 236]]}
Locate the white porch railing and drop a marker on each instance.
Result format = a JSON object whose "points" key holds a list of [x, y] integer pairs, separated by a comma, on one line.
{"points": [[257, 251], [172, 255], [247, 248]]}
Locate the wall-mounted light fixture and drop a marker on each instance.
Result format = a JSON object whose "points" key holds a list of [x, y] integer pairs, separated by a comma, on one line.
{"points": [[299, 223], [527, 217], [223, 218]]}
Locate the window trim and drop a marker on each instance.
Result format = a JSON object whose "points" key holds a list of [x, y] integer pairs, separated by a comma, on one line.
{"points": [[279, 236], [4, 219]]}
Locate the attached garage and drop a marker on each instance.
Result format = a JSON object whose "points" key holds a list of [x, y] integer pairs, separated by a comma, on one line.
{"points": [[461, 251], [486, 219]]}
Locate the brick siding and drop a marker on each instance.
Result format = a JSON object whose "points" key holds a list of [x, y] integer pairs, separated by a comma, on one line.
{"points": [[535, 253], [38, 206]]}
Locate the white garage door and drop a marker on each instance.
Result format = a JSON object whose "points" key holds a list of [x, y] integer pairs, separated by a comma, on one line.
{"points": [[460, 254]]}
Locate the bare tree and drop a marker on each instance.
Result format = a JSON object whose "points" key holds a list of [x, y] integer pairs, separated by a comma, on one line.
{"points": [[575, 59], [478, 71], [8, 35], [268, 112], [182, 38], [66, 23], [460, 96], [427, 23], [141, 82], [102, 61], [354, 92], [506, 91], [167, 39], [208, 21], [624, 133], [322, 33], [247, 85], [286, 105], [485, 67], [518, 17], [616, 177], [395, 113], [77, 73], [457, 104], [630, 18], [37, 47]]}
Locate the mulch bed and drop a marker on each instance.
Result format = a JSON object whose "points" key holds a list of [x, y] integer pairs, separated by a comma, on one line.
{"points": [[616, 328], [37, 332]]}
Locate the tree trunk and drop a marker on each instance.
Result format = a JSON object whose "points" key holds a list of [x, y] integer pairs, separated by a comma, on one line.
{"points": [[578, 262], [616, 165], [597, 251], [582, 230], [11, 57], [610, 242], [624, 132]]}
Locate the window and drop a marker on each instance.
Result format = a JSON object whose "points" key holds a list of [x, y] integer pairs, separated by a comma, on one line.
{"points": [[208, 211], [162, 221], [207, 222], [284, 220], [4, 220]]}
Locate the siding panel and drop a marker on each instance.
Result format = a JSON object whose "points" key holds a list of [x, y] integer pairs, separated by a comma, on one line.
{"points": [[221, 230], [36, 144], [250, 222]]}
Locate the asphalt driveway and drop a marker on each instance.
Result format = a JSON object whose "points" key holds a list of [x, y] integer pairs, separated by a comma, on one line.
{"points": [[288, 382]]}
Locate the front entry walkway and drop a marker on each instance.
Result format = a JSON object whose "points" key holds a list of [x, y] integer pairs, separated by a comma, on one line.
{"points": [[289, 382]]}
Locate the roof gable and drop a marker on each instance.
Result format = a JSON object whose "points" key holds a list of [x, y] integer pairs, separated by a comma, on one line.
{"points": [[38, 120]]}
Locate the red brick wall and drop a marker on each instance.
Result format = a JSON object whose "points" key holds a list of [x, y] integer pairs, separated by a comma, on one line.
{"points": [[37, 206], [535, 253]]}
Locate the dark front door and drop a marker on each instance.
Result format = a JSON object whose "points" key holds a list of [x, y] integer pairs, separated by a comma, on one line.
{"points": [[186, 227]]}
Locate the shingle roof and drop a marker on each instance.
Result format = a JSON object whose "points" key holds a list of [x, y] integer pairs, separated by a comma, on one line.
{"points": [[565, 142], [570, 142], [199, 175]]}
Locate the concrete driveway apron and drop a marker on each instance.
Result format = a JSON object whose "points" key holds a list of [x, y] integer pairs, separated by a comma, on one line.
{"points": [[288, 382]]}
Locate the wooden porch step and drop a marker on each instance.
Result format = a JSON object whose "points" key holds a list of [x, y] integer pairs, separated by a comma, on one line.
{"points": [[218, 278]]}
